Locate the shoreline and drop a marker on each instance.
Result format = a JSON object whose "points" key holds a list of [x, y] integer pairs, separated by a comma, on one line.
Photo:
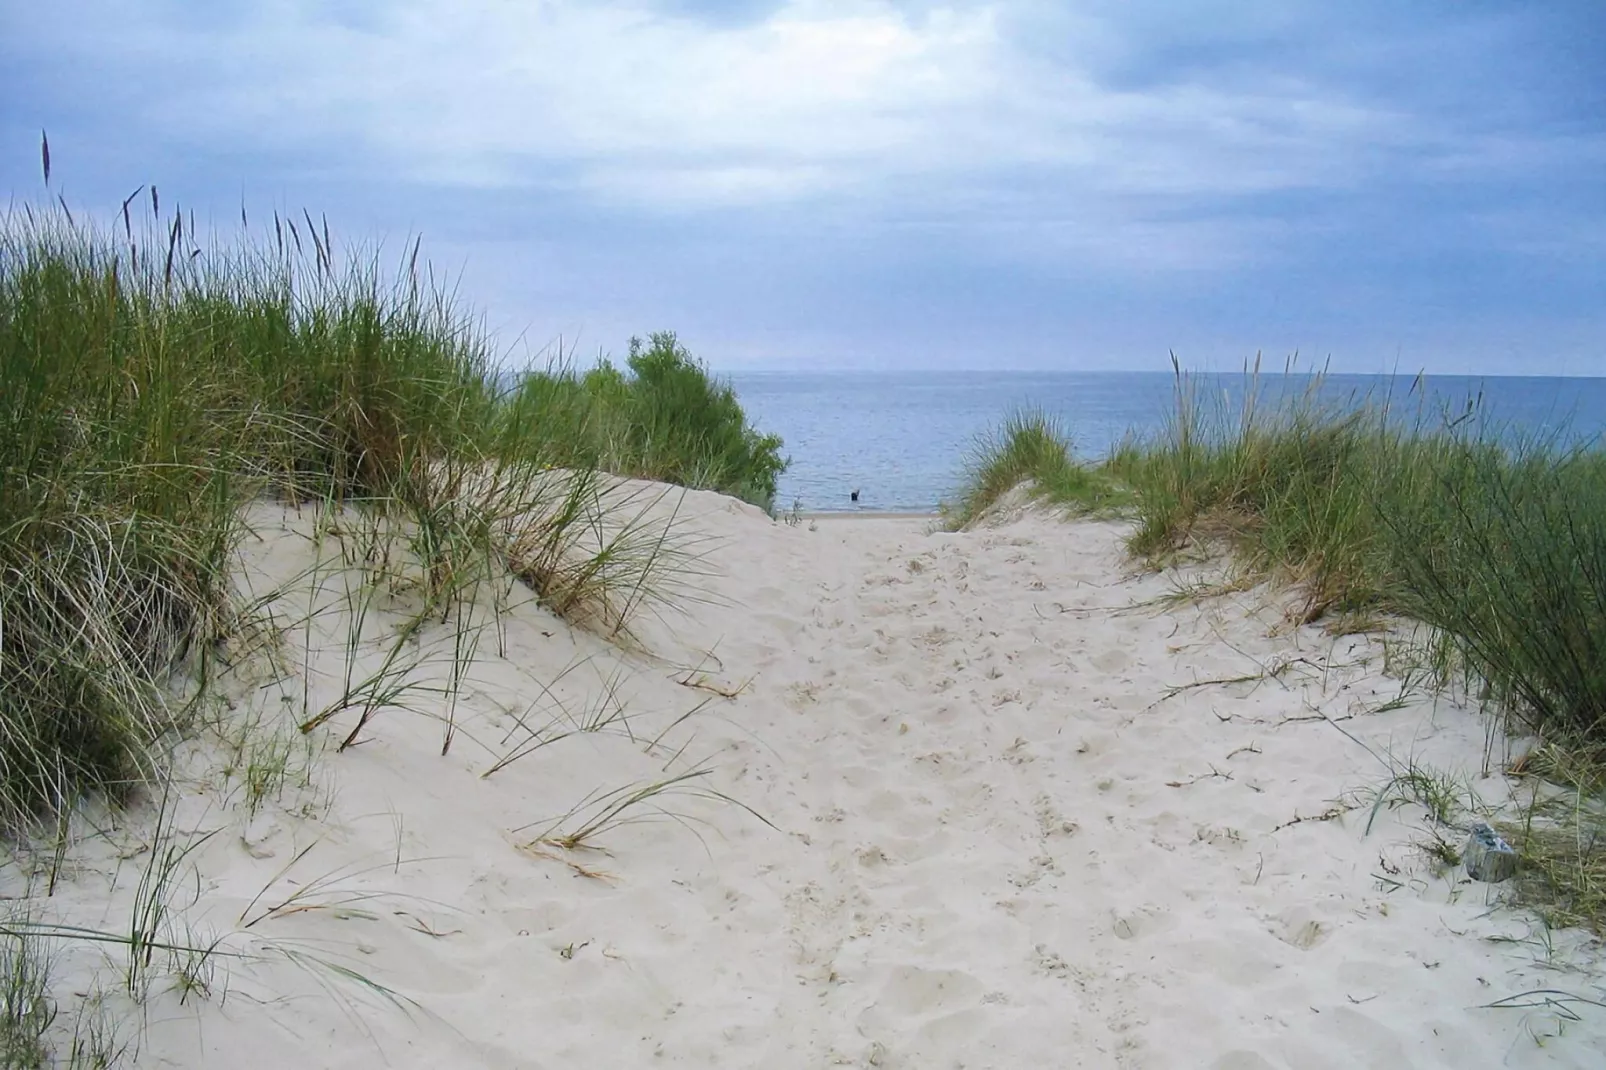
{"points": [[867, 514]]}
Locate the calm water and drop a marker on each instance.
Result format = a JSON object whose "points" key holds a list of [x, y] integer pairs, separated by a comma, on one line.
{"points": [[901, 436]]}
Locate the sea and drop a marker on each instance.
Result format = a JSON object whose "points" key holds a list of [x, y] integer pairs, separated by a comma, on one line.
{"points": [[901, 438]]}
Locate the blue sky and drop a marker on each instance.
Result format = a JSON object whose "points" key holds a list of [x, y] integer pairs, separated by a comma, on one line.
{"points": [[870, 184]]}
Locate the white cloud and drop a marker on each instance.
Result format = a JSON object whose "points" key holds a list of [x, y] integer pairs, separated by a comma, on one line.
{"points": [[1002, 119], [627, 102], [852, 98]]}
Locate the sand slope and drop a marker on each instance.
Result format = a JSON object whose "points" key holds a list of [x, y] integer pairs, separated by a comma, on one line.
{"points": [[995, 842]]}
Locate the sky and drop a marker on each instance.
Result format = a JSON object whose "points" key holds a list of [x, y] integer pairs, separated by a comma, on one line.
{"points": [[869, 184]]}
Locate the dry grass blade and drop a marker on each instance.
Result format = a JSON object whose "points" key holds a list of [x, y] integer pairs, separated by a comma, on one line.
{"points": [[594, 554], [703, 683], [1552, 999], [615, 809], [536, 738], [695, 677], [1563, 865], [1275, 671], [329, 891]]}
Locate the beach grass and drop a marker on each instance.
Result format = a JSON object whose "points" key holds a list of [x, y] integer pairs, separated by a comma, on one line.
{"points": [[1029, 448], [151, 386], [1372, 507], [154, 380], [1497, 543], [26, 1010]]}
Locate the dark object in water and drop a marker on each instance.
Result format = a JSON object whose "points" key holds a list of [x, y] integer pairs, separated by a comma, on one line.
{"points": [[855, 494]]}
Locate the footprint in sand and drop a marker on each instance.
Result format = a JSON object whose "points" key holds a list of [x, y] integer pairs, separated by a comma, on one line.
{"points": [[1111, 661], [1145, 921], [1298, 927], [914, 991]]}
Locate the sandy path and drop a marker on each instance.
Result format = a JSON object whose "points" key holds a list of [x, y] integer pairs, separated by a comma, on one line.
{"points": [[1017, 858], [996, 843]]}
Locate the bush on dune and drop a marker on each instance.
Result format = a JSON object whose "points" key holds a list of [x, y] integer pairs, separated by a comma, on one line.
{"points": [[665, 418]]}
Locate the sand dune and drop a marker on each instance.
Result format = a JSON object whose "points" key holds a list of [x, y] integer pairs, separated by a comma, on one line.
{"points": [[1000, 833]]}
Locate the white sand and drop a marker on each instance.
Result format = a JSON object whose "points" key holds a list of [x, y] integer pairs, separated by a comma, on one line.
{"points": [[994, 845]]}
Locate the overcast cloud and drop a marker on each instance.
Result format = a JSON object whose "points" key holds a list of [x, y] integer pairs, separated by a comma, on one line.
{"points": [[852, 183]]}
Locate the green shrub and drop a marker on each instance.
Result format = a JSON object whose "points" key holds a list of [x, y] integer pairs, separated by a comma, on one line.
{"points": [[688, 427], [668, 419]]}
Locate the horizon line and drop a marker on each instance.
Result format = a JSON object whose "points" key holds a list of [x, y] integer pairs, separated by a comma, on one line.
{"points": [[945, 370]]}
